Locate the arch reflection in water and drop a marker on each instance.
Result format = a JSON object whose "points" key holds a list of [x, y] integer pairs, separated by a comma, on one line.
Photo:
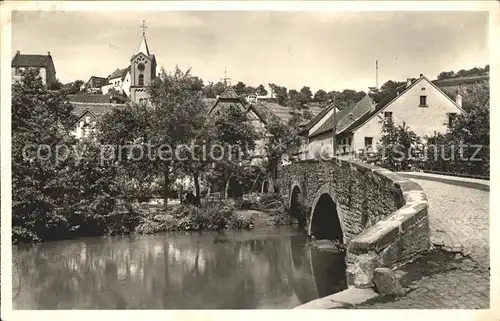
{"points": [[316, 273]]}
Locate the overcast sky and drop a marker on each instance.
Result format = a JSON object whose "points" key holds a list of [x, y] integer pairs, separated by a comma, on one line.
{"points": [[331, 50]]}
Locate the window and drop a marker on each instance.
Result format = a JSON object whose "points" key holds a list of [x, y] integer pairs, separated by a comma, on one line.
{"points": [[86, 131], [368, 142], [423, 101], [451, 119], [388, 114], [141, 80]]}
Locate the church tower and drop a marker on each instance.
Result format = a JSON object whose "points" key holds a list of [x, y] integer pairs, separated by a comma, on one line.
{"points": [[142, 70]]}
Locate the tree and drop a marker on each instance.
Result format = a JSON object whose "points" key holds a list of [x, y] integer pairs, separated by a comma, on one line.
{"points": [[213, 90], [178, 113], [398, 146], [280, 139], [320, 96], [307, 114], [232, 130], [57, 85], [446, 75], [261, 90], [74, 87], [55, 194], [306, 91], [240, 88], [307, 94], [280, 93]]}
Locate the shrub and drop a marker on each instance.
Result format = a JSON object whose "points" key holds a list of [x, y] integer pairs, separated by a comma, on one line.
{"points": [[271, 202]]}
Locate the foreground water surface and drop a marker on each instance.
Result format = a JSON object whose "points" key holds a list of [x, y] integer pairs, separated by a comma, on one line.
{"points": [[260, 269]]}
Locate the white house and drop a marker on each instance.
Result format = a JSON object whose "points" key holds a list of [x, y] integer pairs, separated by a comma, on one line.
{"points": [[119, 80], [420, 104]]}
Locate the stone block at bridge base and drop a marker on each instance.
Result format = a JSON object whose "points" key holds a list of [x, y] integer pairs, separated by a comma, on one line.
{"points": [[360, 269], [386, 282]]}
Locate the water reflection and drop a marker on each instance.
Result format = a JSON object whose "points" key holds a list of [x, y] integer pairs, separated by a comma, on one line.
{"points": [[265, 268]]}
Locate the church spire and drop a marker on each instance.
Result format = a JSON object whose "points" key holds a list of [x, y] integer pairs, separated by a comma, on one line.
{"points": [[143, 47]]}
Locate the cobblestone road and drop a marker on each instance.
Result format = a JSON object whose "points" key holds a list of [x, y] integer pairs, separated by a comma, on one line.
{"points": [[459, 221]]}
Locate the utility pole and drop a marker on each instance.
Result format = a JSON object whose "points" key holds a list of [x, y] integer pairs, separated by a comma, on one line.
{"points": [[226, 80], [376, 72]]}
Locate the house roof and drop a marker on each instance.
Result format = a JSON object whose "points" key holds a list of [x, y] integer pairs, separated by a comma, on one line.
{"points": [[35, 61], [316, 118], [345, 117], [389, 99], [96, 77], [229, 93], [89, 98], [97, 110], [119, 73]]}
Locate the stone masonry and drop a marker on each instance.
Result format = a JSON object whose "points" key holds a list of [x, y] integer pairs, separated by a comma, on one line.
{"points": [[383, 216]]}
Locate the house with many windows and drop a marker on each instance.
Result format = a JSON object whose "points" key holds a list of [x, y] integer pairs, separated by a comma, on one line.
{"points": [[420, 104]]}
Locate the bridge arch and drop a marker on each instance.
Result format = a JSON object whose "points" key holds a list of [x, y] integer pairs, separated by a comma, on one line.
{"points": [[326, 221], [297, 205]]}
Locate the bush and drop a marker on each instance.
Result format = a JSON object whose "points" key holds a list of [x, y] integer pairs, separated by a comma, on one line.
{"points": [[271, 201]]}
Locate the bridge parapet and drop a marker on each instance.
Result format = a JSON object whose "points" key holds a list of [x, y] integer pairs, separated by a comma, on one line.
{"points": [[383, 216]]}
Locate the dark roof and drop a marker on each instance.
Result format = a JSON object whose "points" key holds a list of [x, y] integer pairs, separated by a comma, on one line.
{"points": [[89, 98], [22, 60], [119, 73], [316, 118], [208, 102], [229, 93], [264, 112], [97, 78], [345, 116], [96, 109]]}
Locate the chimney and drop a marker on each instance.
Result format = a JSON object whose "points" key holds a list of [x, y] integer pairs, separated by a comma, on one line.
{"points": [[408, 82], [18, 52], [421, 75], [48, 53], [458, 100]]}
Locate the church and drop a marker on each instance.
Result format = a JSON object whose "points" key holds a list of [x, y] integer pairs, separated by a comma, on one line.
{"points": [[133, 80]]}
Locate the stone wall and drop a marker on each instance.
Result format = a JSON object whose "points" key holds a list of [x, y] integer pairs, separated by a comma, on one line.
{"points": [[383, 216]]}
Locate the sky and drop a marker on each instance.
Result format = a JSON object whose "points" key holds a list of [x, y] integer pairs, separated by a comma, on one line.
{"points": [[327, 50]]}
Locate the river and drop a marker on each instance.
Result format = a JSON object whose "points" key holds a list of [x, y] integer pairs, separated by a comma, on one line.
{"points": [[265, 268]]}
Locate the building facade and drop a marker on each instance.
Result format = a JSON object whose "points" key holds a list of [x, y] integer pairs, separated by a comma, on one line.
{"points": [[142, 72], [43, 63], [420, 104]]}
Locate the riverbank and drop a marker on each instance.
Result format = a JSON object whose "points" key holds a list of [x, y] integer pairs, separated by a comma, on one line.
{"points": [[127, 217], [212, 217]]}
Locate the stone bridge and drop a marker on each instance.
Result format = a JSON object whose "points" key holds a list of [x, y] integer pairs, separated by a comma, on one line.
{"points": [[381, 217]]}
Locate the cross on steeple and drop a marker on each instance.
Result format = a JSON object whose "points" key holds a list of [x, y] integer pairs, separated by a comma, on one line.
{"points": [[226, 80], [143, 27]]}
